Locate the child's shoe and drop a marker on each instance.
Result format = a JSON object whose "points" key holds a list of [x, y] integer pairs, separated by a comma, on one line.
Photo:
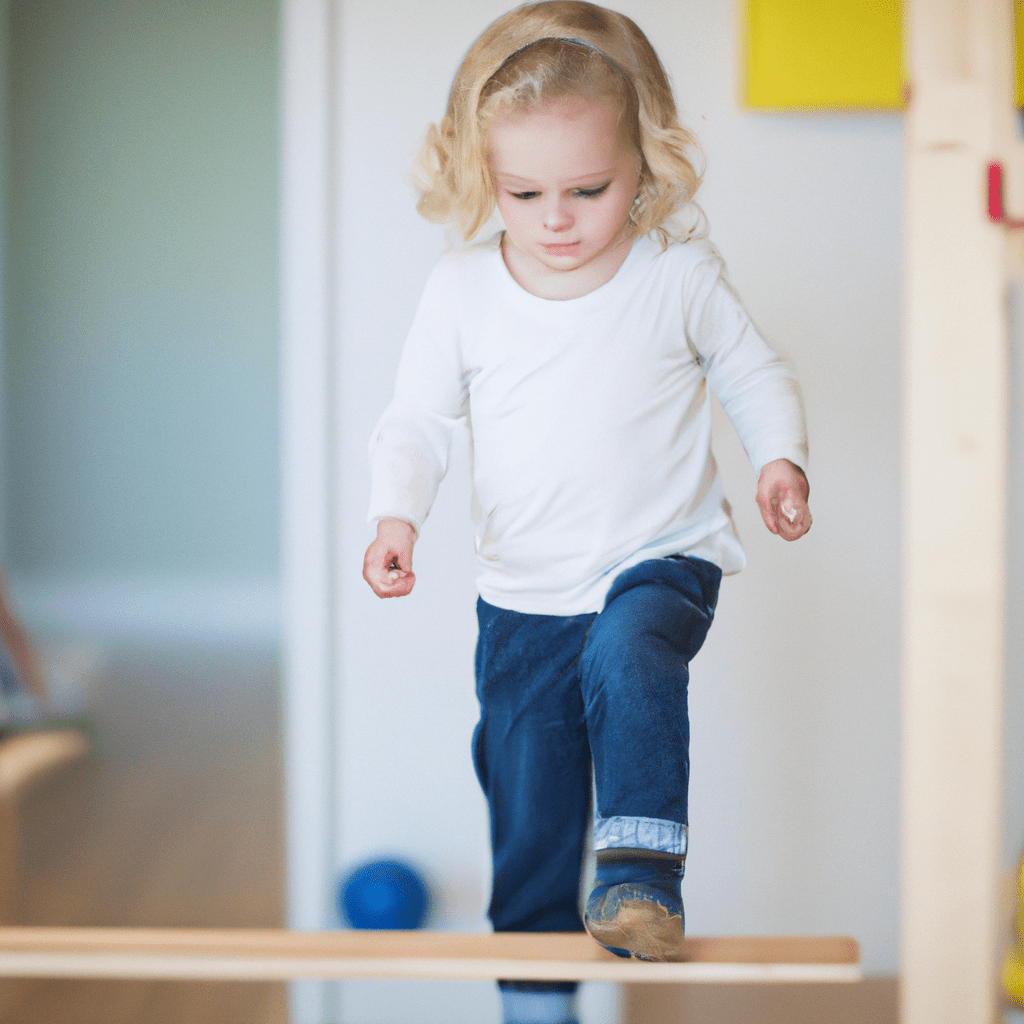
{"points": [[636, 908]]}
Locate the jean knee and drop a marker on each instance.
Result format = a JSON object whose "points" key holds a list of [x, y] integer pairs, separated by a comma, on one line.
{"points": [[662, 604]]}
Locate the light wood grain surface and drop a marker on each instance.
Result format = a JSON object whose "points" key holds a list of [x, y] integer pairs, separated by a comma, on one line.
{"points": [[959, 117], [278, 954]]}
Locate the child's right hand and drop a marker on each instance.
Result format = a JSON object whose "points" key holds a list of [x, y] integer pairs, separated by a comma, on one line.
{"points": [[387, 565]]}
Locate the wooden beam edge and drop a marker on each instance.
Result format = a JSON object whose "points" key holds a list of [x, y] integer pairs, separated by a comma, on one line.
{"points": [[153, 966], [268, 954]]}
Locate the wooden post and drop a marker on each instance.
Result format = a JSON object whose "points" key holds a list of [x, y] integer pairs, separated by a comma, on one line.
{"points": [[959, 118], [307, 287]]}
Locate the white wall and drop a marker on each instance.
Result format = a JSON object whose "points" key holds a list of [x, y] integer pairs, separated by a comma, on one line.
{"points": [[794, 699], [405, 781]]}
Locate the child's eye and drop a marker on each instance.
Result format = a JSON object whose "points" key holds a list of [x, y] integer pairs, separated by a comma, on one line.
{"points": [[524, 195], [589, 193]]}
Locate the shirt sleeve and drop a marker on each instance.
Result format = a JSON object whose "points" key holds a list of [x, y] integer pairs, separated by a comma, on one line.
{"points": [[756, 387], [410, 444]]}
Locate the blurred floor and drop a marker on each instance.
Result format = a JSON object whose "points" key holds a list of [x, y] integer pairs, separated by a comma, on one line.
{"points": [[177, 820], [871, 1001]]}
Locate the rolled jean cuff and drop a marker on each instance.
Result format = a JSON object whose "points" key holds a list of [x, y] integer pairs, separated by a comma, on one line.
{"points": [[623, 833]]}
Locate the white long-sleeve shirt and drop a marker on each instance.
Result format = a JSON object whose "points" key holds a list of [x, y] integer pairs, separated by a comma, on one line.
{"points": [[590, 419]]}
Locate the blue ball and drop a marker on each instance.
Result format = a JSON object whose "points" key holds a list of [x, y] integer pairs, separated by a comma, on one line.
{"points": [[383, 894]]}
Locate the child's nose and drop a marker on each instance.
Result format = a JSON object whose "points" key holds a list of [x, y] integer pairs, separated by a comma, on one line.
{"points": [[557, 216]]}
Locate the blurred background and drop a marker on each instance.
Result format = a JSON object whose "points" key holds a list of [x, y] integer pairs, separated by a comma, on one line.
{"points": [[139, 472], [147, 236], [140, 487]]}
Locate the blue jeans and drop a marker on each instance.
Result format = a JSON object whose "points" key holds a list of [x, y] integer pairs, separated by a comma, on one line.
{"points": [[562, 694]]}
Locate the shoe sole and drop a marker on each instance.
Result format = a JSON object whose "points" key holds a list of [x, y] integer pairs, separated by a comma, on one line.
{"points": [[643, 927]]}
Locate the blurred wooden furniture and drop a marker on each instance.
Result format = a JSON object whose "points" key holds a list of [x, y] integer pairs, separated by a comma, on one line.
{"points": [[26, 761]]}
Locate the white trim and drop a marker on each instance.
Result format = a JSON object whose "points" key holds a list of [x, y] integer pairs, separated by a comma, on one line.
{"points": [[307, 244]]}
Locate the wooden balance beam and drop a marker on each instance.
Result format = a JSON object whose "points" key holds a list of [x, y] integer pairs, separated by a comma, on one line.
{"points": [[279, 955]]}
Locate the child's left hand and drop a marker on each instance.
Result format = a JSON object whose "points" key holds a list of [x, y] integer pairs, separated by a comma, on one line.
{"points": [[782, 496]]}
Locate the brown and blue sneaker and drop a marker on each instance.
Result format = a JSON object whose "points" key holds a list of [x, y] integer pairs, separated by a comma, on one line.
{"points": [[636, 908]]}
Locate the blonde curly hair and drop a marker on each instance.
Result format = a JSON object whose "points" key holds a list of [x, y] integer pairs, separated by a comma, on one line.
{"points": [[541, 52]]}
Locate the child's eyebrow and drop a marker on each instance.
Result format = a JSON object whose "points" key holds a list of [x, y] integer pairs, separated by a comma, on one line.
{"points": [[590, 176], [511, 177]]}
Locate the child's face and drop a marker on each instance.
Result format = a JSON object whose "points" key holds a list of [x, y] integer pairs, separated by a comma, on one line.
{"points": [[565, 182]]}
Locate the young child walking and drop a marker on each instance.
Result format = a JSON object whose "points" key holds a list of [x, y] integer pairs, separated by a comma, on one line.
{"points": [[580, 345]]}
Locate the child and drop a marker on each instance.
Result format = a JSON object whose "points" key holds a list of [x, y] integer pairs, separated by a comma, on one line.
{"points": [[578, 344]]}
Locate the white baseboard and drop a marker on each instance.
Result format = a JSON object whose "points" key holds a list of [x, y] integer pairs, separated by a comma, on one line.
{"points": [[153, 610]]}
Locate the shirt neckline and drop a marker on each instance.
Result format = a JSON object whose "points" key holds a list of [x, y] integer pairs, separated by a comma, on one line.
{"points": [[597, 296]]}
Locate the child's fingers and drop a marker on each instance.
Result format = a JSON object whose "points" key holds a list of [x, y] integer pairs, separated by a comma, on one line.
{"points": [[769, 511], [387, 582], [785, 514], [395, 584], [381, 569], [782, 497], [794, 518], [398, 580]]}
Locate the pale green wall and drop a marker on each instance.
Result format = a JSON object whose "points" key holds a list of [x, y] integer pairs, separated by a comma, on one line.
{"points": [[141, 341], [4, 128]]}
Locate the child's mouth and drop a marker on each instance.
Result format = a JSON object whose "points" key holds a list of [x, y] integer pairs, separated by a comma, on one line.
{"points": [[562, 249]]}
